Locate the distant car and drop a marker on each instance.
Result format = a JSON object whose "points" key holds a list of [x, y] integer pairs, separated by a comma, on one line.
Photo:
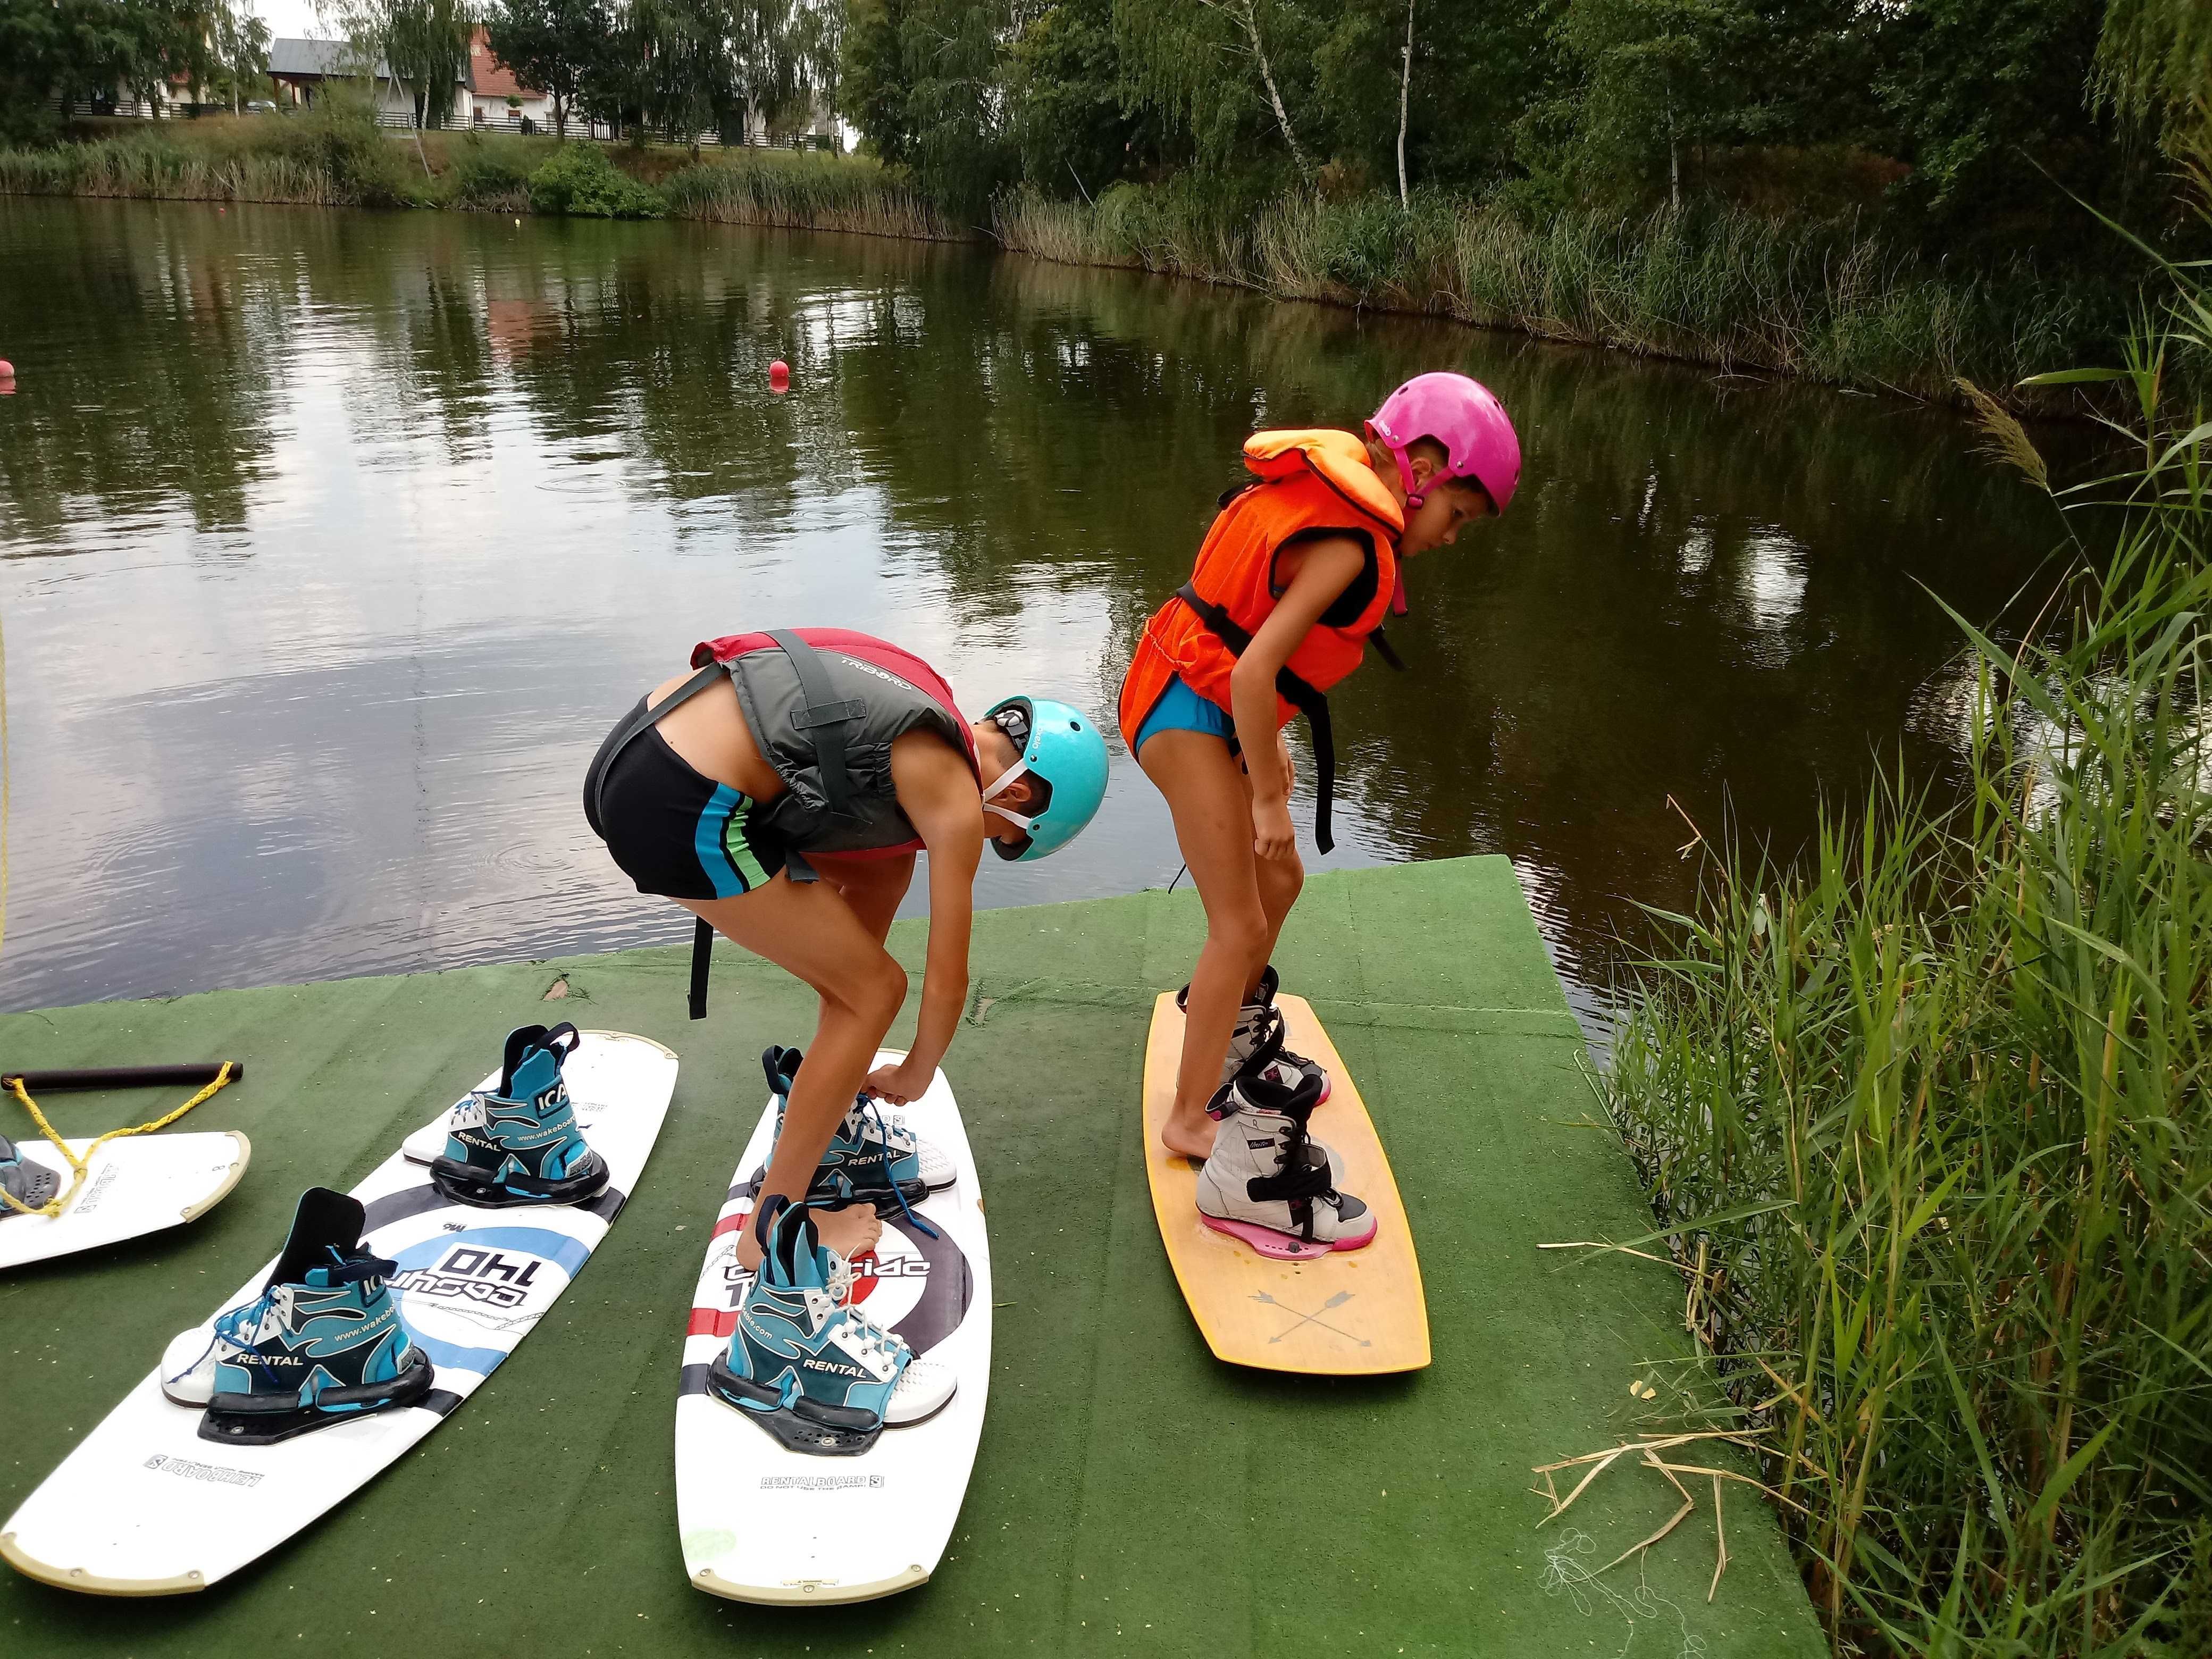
{"points": [[262, 106]]}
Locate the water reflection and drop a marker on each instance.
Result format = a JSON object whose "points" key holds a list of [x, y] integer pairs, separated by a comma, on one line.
{"points": [[332, 542]]}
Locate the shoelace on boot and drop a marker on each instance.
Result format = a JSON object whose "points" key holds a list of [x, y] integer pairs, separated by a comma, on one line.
{"points": [[870, 1104], [874, 1337]]}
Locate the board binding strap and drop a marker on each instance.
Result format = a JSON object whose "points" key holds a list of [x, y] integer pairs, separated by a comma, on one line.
{"points": [[387, 1308], [878, 1366], [59, 1196]]}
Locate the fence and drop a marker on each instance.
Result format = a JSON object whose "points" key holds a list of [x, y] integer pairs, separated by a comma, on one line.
{"points": [[401, 120]]}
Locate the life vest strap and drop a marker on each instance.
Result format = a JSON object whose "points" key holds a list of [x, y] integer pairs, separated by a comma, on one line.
{"points": [[823, 715], [1300, 693], [1387, 651], [702, 960]]}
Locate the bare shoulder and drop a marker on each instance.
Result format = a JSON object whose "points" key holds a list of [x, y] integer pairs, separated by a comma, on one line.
{"points": [[1326, 560], [934, 782]]}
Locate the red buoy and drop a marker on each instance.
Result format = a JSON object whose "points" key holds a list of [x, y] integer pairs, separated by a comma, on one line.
{"points": [[779, 375], [7, 369]]}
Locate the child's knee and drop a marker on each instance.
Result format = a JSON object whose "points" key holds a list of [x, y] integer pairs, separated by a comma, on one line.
{"points": [[1244, 936], [874, 994], [886, 991]]}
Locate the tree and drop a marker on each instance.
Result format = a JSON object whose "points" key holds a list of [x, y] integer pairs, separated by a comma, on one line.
{"points": [[1661, 74], [241, 46], [925, 82], [1245, 16], [2154, 62], [550, 44], [1405, 92], [54, 50], [426, 42]]}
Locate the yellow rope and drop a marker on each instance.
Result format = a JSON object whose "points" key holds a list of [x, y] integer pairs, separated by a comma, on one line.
{"points": [[54, 1206]]}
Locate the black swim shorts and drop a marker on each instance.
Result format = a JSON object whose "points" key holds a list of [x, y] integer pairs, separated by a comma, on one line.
{"points": [[672, 831]]}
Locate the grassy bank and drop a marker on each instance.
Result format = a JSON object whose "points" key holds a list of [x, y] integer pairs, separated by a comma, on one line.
{"points": [[337, 158], [1925, 1124], [1747, 293], [1821, 300]]}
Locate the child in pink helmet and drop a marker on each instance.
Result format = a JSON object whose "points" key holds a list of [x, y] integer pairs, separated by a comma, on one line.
{"points": [[1292, 581]]}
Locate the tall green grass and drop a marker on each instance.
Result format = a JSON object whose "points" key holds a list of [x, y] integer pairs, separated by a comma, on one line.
{"points": [[1823, 300], [333, 155], [1926, 1121], [807, 192]]}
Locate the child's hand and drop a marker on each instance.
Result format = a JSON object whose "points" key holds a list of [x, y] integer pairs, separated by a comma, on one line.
{"points": [[898, 1083], [1273, 836]]}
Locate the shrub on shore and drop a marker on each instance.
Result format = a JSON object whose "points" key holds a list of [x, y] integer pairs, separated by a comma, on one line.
{"points": [[579, 181], [1928, 1123], [490, 171]]}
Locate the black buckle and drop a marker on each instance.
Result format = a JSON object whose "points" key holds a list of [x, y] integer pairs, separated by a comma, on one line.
{"points": [[810, 715]]}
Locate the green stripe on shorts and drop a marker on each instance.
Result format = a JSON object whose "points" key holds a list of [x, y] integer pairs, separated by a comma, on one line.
{"points": [[739, 849]]}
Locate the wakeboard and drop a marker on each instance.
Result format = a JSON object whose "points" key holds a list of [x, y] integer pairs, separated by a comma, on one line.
{"points": [[1340, 1313], [761, 1523], [133, 1186], [145, 1506]]}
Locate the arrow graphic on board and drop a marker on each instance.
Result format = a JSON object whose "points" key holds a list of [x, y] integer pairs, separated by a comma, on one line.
{"points": [[1313, 1318]]}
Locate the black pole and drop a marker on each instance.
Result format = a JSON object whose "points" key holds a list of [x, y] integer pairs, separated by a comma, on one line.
{"points": [[119, 1077]]}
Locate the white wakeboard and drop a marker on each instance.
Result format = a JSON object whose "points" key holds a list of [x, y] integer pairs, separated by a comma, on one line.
{"points": [[760, 1524], [135, 1186], [143, 1506]]}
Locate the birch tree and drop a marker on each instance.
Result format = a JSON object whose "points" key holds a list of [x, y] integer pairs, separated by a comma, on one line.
{"points": [[1245, 16]]}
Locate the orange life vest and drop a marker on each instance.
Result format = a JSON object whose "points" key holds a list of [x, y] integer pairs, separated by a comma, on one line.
{"points": [[1315, 481]]}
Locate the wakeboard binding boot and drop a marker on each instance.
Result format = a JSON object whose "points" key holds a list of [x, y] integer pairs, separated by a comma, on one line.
{"points": [[1268, 1182], [29, 1184], [322, 1344], [873, 1158], [1256, 1049], [1255, 1042], [518, 1143], [812, 1370]]}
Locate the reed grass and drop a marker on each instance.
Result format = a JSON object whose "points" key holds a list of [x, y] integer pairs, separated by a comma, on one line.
{"points": [[1924, 1119], [155, 169], [807, 192], [1822, 301]]}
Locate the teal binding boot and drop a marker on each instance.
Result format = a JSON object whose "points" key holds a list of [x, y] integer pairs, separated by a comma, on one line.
{"points": [[872, 1159], [809, 1367], [518, 1143], [322, 1343]]}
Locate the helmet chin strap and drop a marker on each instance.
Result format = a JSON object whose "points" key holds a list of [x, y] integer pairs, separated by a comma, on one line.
{"points": [[999, 785], [1416, 497]]}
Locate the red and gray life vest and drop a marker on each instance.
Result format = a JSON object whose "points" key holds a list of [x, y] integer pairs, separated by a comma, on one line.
{"points": [[824, 716], [823, 705]]}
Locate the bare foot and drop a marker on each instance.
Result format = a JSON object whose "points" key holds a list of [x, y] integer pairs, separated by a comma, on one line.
{"points": [[849, 1232], [1187, 1142]]}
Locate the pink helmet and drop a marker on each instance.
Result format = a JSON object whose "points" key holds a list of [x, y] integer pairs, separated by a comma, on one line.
{"points": [[1465, 416]]}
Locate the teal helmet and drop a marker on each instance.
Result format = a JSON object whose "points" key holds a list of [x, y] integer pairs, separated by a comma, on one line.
{"points": [[1063, 752]]}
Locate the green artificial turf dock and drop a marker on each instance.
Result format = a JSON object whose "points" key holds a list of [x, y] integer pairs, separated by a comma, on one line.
{"points": [[1132, 1495]]}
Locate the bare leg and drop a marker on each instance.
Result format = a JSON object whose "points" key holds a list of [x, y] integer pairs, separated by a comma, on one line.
{"points": [[1208, 795], [808, 929], [1281, 881]]}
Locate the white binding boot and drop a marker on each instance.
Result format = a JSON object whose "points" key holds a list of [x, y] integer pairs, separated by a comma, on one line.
{"points": [[1267, 1183], [1256, 1049]]}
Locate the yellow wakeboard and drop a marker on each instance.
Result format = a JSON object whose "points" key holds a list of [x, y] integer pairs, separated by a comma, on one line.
{"points": [[1348, 1313]]}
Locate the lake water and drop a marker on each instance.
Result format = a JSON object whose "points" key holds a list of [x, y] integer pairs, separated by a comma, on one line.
{"points": [[331, 544]]}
